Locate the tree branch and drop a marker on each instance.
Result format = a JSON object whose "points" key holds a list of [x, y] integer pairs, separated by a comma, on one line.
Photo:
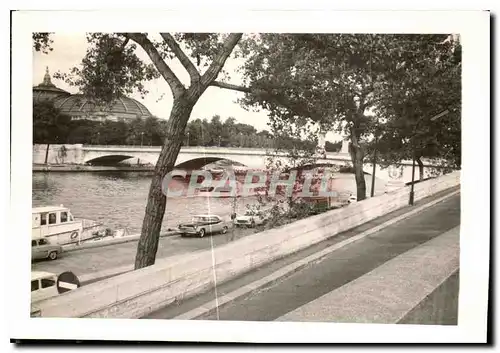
{"points": [[183, 58], [175, 85], [231, 86], [125, 42], [213, 71], [295, 108]]}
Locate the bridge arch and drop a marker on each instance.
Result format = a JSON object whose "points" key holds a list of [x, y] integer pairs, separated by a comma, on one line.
{"points": [[108, 160], [200, 162]]}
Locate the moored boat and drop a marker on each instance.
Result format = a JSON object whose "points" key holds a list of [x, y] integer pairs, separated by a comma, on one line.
{"points": [[59, 225]]}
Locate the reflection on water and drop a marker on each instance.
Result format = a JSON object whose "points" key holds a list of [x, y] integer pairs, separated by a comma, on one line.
{"points": [[118, 199]]}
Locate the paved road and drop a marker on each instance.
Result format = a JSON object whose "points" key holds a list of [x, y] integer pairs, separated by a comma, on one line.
{"points": [[343, 265], [88, 261], [337, 269]]}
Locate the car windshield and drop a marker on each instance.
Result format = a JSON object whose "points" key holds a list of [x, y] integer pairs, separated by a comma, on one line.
{"points": [[197, 219]]}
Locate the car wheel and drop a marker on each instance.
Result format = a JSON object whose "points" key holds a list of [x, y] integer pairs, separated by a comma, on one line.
{"points": [[202, 233], [224, 230], [53, 255]]}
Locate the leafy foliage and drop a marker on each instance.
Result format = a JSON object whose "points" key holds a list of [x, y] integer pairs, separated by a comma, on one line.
{"points": [[425, 91], [42, 42], [49, 124], [109, 70], [346, 82]]}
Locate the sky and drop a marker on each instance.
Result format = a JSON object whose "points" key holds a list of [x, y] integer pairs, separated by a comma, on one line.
{"points": [[69, 49]]}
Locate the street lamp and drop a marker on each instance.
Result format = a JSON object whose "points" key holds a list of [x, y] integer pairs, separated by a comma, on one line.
{"points": [[374, 163], [412, 190], [219, 141], [188, 139]]}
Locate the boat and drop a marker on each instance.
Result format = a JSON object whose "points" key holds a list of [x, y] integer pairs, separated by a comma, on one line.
{"points": [[220, 191], [58, 224]]}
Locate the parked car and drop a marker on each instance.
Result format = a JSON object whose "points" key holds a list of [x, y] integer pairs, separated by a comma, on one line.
{"points": [[251, 218], [43, 285], [201, 225], [43, 249]]}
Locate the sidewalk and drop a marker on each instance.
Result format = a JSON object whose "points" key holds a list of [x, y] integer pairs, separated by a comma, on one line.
{"points": [[393, 290], [333, 271]]}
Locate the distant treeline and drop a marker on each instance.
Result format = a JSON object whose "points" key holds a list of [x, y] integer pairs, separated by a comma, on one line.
{"points": [[51, 126]]}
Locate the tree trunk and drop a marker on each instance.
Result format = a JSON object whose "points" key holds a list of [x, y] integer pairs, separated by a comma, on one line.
{"points": [[157, 201], [357, 157], [420, 169], [47, 153]]}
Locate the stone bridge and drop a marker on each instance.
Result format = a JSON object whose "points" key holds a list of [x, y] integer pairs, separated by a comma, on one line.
{"points": [[192, 158]]}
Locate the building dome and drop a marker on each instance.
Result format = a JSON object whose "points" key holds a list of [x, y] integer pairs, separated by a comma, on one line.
{"points": [[78, 107], [47, 90]]}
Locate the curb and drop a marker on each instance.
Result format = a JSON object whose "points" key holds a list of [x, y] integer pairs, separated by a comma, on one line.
{"points": [[211, 306], [103, 243]]}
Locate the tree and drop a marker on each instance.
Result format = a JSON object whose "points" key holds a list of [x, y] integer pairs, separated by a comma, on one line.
{"points": [[228, 130], [111, 68], [435, 89], [42, 42], [215, 130], [322, 79], [335, 80], [112, 132], [195, 133], [49, 125]]}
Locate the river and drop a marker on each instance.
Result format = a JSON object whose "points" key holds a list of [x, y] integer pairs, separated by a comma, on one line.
{"points": [[118, 199]]}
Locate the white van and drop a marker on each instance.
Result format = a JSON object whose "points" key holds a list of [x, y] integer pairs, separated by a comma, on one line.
{"points": [[43, 285]]}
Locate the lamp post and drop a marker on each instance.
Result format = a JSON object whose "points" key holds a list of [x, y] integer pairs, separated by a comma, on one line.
{"points": [[188, 139], [374, 164], [142, 138], [412, 189]]}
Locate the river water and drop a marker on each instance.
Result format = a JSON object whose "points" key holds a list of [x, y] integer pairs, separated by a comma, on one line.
{"points": [[118, 199]]}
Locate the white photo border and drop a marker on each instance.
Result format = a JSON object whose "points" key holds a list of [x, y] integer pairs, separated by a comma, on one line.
{"points": [[474, 29]]}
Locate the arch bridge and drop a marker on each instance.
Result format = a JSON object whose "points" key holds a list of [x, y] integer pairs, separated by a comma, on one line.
{"points": [[192, 158]]}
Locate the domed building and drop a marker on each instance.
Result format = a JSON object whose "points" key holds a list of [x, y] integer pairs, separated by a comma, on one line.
{"points": [[47, 90], [78, 107]]}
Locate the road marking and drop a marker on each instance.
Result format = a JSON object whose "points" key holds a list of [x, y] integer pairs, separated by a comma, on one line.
{"points": [[207, 307], [67, 285]]}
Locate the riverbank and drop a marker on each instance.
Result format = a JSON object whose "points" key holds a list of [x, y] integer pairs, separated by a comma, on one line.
{"points": [[42, 168]]}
